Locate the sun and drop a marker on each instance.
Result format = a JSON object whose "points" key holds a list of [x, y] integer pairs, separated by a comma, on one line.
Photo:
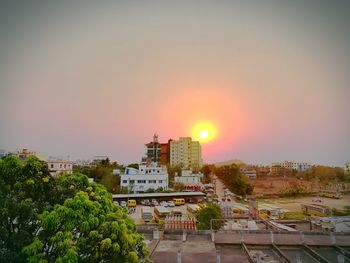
{"points": [[203, 132]]}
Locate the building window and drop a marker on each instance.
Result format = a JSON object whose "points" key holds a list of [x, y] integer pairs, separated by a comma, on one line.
{"points": [[125, 181], [51, 165], [160, 181], [141, 181], [152, 181], [132, 181]]}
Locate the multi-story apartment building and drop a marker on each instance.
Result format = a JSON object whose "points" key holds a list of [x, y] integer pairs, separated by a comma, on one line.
{"points": [[186, 153], [298, 166], [146, 177], [158, 152], [56, 167]]}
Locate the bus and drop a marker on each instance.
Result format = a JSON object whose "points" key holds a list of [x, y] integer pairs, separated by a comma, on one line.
{"points": [[269, 211], [179, 201], [146, 214], [160, 213], [316, 210], [240, 210], [330, 194]]}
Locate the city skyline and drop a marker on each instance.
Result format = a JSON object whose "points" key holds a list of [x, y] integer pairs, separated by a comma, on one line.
{"points": [[84, 79]]}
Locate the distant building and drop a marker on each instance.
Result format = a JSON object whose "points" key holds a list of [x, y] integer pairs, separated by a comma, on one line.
{"points": [[186, 153], [189, 178], [290, 165], [158, 152], [145, 178], [56, 167], [248, 171], [24, 153]]}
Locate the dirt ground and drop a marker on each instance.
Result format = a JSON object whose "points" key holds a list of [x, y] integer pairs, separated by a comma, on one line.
{"points": [[274, 185]]}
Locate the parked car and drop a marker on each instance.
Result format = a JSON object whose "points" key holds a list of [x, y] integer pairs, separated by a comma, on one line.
{"points": [[145, 202], [164, 203], [116, 203], [171, 204], [154, 202], [123, 203]]}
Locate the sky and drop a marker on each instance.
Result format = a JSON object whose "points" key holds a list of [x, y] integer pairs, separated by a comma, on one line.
{"points": [[86, 78]]}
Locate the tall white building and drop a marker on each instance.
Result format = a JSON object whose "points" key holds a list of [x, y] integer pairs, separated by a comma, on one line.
{"points": [[145, 178], [186, 153]]}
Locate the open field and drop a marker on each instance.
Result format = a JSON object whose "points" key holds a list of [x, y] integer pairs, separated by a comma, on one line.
{"points": [[274, 185]]}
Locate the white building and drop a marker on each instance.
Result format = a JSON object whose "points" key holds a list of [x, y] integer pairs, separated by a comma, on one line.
{"points": [[144, 178], [298, 166], [59, 166], [189, 178]]}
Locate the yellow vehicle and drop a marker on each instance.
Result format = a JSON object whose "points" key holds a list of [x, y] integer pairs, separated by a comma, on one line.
{"points": [[240, 210], [270, 211], [131, 203], [160, 213], [179, 201], [316, 210], [331, 194]]}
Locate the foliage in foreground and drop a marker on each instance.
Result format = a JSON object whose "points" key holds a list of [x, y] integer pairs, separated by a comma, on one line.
{"points": [[44, 219]]}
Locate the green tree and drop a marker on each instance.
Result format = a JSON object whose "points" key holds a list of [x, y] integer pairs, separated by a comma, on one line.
{"points": [[87, 228], [205, 215], [26, 189], [234, 180], [207, 170], [43, 218]]}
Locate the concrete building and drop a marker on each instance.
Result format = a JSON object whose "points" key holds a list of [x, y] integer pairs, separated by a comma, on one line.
{"points": [[189, 178], [24, 153], [158, 152], [57, 167], [291, 165], [146, 177], [186, 153]]}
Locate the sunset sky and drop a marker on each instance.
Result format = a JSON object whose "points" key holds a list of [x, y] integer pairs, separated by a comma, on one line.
{"points": [[85, 78]]}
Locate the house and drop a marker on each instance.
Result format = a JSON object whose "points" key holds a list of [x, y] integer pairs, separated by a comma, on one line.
{"points": [[145, 178]]}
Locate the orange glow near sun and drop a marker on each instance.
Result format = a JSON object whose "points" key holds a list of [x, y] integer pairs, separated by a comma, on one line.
{"points": [[203, 132]]}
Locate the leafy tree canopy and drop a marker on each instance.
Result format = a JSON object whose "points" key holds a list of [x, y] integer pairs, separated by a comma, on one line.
{"points": [[234, 180], [205, 215], [65, 219]]}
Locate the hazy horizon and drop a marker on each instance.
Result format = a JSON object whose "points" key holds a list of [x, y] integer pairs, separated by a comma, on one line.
{"points": [[89, 78]]}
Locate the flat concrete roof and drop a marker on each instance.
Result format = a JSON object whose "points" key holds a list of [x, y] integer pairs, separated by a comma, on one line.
{"points": [[150, 195]]}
